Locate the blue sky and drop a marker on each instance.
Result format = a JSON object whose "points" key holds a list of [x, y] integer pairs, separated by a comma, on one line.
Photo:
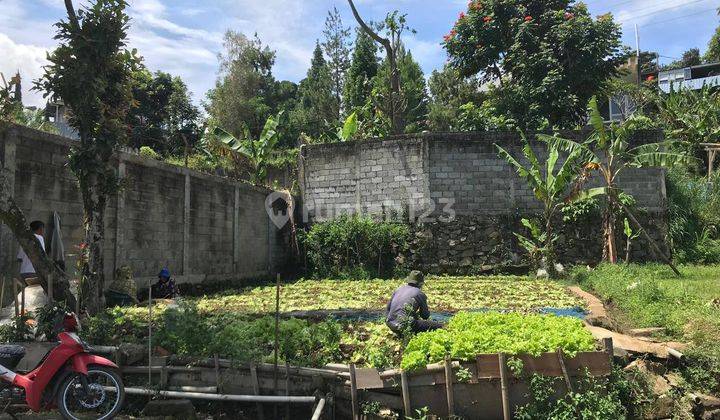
{"points": [[184, 37]]}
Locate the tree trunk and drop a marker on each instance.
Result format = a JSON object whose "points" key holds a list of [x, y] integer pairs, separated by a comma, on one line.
{"points": [[14, 218], [93, 267], [610, 244], [398, 125]]}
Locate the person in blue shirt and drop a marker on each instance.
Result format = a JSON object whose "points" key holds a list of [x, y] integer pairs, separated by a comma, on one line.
{"points": [[408, 307], [165, 287]]}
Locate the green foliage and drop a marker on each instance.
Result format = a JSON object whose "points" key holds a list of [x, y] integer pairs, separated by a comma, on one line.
{"points": [[164, 117], [712, 55], [18, 330], [149, 153], [373, 345], [260, 151], [449, 91], [548, 58], [652, 296], [444, 294], [608, 150], [10, 98], [691, 117], [482, 118], [694, 217], [593, 400], [413, 91], [336, 45], [470, 334], [363, 68], [317, 107], [91, 71], [348, 243], [554, 187]]}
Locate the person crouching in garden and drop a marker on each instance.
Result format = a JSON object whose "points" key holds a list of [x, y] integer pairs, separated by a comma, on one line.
{"points": [[165, 287], [408, 307]]}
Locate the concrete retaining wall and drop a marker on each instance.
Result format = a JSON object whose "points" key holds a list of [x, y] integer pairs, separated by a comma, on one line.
{"points": [[203, 228], [435, 176]]}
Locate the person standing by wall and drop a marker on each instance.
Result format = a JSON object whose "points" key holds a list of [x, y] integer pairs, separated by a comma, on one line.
{"points": [[27, 270]]}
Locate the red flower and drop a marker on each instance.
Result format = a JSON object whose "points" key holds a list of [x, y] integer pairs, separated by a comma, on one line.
{"points": [[528, 18], [569, 15], [650, 78], [462, 16], [487, 19]]}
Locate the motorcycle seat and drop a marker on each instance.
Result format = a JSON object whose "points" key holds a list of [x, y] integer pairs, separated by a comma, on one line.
{"points": [[10, 355]]}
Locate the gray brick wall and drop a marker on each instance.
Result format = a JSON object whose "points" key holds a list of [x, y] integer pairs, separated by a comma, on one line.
{"points": [[464, 169], [203, 228]]}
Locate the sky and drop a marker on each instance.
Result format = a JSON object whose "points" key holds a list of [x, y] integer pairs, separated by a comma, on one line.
{"points": [[184, 37]]}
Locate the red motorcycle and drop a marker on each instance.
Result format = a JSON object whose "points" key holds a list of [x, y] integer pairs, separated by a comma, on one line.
{"points": [[79, 384]]}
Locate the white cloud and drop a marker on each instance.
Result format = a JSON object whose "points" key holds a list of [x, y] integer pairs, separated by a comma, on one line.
{"points": [[29, 60]]}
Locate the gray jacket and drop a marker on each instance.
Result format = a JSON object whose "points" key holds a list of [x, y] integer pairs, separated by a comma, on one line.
{"points": [[406, 296]]}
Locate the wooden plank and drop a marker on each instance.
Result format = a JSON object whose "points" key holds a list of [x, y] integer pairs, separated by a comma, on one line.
{"points": [[354, 393], [449, 387], [368, 378], [504, 388], [407, 406], [287, 389]]}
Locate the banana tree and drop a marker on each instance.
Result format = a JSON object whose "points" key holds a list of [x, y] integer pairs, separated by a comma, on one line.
{"points": [[349, 129], [259, 151], [554, 184], [608, 151]]}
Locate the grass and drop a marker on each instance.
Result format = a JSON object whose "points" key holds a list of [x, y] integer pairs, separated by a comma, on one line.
{"points": [[444, 294], [652, 296], [688, 307]]}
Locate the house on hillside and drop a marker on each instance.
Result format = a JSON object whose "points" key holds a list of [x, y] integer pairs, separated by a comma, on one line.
{"points": [[58, 114], [693, 78]]}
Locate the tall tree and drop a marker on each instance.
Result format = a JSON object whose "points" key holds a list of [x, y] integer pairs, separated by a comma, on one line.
{"points": [[336, 45], [689, 58], [413, 100], [91, 70], [712, 55], [244, 87], [448, 92], [316, 108], [395, 25], [547, 57], [363, 68]]}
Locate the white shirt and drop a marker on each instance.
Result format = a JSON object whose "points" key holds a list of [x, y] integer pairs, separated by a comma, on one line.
{"points": [[26, 266]]}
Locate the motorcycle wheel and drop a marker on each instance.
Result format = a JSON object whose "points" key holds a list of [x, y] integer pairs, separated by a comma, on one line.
{"points": [[104, 401]]}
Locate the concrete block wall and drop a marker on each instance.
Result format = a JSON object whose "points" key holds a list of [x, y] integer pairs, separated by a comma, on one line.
{"points": [[202, 227], [462, 172]]}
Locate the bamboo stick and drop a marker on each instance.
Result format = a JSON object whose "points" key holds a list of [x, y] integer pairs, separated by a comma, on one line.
{"points": [[287, 389], [563, 368], [502, 361], [256, 389], [354, 393], [318, 409], [277, 339], [404, 383], [449, 387], [15, 298], [271, 399], [22, 300], [2, 291]]}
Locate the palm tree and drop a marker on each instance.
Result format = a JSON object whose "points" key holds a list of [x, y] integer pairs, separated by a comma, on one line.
{"points": [[608, 151], [553, 187]]}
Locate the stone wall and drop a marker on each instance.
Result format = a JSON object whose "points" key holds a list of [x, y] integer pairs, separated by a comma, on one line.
{"points": [[203, 228], [432, 177]]}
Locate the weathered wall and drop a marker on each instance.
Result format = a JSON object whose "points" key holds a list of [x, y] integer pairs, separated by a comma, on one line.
{"points": [[203, 228], [429, 175]]}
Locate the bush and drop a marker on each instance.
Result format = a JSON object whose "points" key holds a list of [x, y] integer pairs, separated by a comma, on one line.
{"points": [[470, 334], [694, 212], [149, 153], [354, 246]]}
